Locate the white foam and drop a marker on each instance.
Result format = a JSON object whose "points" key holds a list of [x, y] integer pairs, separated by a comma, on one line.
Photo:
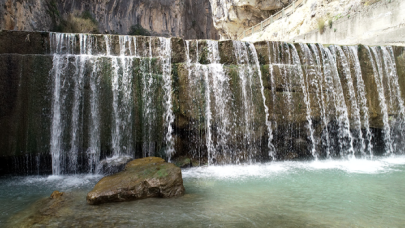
{"points": [[360, 166], [58, 182], [351, 166]]}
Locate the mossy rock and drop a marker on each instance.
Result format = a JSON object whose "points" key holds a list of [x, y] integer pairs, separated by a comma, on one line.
{"points": [[142, 178]]}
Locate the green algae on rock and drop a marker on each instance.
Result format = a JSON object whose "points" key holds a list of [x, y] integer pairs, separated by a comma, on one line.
{"points": [[142, 178]]}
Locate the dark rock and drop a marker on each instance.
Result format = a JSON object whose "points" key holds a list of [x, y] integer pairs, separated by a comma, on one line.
{"points": [[142, 178], [313, 9], [183, 162], [113, 165]]}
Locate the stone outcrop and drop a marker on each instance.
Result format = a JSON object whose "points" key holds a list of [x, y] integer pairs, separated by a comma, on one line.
{"points": [[188, 19], [233, 16], [142, 178], [345, 22]]}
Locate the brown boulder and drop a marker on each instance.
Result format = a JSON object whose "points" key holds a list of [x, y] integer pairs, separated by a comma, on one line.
{"points": [[142, 178]]}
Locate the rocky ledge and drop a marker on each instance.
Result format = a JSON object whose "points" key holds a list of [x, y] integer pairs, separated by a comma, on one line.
{"points": [[142, 178]]}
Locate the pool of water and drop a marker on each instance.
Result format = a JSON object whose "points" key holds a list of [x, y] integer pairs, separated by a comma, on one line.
{"points": [[331, 193]]}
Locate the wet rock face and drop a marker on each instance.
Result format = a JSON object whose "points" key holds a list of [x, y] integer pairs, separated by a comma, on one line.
{"points": [[233, 16], [113, 165], [188, 19], [142, 178]]}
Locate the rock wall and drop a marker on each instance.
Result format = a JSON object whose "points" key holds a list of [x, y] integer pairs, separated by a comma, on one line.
{"points": [[346, 22], [233, 16], [189, 19], [382, 23]]}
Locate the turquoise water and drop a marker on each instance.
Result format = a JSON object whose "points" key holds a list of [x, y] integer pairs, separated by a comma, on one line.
{"points": [[334, 193]]}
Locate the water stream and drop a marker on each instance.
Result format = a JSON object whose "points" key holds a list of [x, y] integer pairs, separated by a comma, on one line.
{"points": [[329, 193]]}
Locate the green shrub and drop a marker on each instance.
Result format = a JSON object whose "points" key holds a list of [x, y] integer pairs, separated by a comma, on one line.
{"points": [[88, 16], [138, 30]]}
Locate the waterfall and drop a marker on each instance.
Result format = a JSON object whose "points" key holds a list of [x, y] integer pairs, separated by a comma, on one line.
{"points": [[93, 152], [122, 99], [266, 109], [63, 45], [209, 78], [345, 139], [221, 91], [246, 72], [165, 54], [304, 87], [354, 109], [125, 96], [361, 96], [273, 90], [315, 80], [378, 77], [93, 74], [396, 100]]}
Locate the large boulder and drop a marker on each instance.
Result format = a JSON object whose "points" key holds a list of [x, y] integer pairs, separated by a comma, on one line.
{"points": [[142, 178]]}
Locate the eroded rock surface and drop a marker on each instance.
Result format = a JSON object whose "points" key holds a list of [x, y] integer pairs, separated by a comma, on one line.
{"points": [[142, 178], [233, 16], [188, 19]]}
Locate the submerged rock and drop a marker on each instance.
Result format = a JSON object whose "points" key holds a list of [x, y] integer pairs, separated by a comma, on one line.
{"points": [[56, 194], [42, 211], [142, 178]]}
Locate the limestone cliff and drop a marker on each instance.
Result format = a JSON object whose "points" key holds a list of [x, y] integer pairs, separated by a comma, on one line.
{"points": [[344, 22], [190, 19], [233, 16]]}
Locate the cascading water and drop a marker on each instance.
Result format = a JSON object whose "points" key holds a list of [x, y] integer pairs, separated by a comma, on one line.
{"points": [[304, 87], [396, 100], [266, 109], [122, 99], [354, 109], [165, 54], [104, 87], [207, 76], [313, 70], [361, 97], [119, 99], [378, 77], [345, 139], [246, 73]]}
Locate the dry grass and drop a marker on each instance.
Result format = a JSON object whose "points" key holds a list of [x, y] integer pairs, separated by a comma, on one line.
{"points": [[321, 25], [79, 24], [370, 2]]}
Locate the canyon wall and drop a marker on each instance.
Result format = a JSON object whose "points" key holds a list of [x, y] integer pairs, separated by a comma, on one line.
{"points": [[233, 16], [190, 19], [345, 22]]}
